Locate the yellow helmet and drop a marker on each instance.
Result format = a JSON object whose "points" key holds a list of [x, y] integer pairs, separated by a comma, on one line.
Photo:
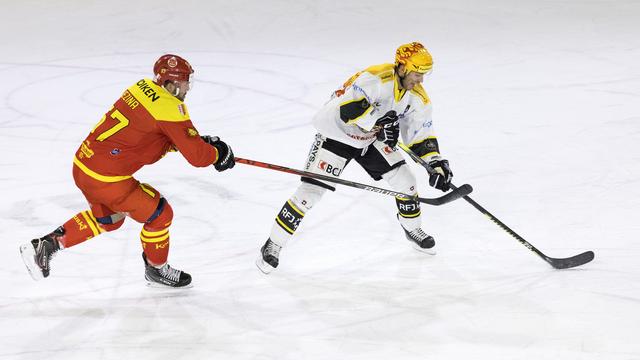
{"points": [[414, 57]]}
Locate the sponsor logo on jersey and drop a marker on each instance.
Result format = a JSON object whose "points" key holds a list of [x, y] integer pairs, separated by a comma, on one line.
{"points": [[192, 132], [387, 150], [147, 90], [363, 138], [328, 168], [85, 151]]}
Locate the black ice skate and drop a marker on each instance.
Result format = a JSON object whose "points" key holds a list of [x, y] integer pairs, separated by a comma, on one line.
{"points": [[421, 241], [268, 259], [37, 253], [165, 275]]}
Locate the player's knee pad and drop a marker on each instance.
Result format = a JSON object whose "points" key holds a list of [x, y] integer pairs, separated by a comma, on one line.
{"points": [[401, 179], [111, 222], [307, 195], [161, 218]]}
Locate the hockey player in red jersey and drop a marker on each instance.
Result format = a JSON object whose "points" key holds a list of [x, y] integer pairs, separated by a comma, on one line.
{"points": [[363, 121], [148, 120]]}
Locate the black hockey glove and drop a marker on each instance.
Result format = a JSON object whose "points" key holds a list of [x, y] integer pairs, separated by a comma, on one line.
{"points": [[225, 154], [389, 126], [441, 178]]}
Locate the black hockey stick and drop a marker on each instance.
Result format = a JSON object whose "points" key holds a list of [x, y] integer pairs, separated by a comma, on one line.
{"points": [[558, 263], [453, 195]]}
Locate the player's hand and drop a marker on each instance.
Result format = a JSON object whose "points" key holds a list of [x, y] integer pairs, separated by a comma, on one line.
{"points": [[441, 178], [389, 128], [225, 154]]}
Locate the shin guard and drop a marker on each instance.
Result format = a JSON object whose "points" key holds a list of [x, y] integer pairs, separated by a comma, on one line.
{"points": [[402, 179], [155, 234], [409, 213], [289, 217], [293, 211], [82, 227]]}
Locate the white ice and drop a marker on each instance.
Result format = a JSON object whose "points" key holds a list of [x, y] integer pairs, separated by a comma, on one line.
{"points": [[536, 106]]}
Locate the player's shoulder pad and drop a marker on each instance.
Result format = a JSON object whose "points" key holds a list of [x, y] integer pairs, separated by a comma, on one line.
{"points": [[421, 94], [158, 102], [383, 72]]}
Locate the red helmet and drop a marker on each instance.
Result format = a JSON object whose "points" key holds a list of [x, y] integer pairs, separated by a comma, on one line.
{"points": [[171, 67]]}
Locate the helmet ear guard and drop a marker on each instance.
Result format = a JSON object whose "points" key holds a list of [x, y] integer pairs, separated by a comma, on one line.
{"points": [[415, 57]]}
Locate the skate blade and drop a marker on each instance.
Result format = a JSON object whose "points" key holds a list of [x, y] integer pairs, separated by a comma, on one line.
{"points": [[155, 285], [430, 251], [29, 258], [263, 266]]}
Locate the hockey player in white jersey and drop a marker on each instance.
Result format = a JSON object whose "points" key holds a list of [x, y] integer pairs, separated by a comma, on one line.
{"points": [[363, 121]]}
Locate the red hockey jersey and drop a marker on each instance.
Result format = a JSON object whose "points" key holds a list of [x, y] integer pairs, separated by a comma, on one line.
{"points": [[142, 126]]}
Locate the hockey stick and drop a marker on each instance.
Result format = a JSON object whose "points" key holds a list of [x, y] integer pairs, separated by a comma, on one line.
{"points": [[453, 195], [558, 263]]}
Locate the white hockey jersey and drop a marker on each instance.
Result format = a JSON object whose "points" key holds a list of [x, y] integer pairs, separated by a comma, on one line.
{"points": [[351, 113]]}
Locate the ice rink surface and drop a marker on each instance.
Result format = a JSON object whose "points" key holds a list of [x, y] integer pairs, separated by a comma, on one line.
{"points": [[536, 105]]}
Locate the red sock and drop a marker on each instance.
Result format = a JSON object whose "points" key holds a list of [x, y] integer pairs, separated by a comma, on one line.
{"points": [[82, 227], [155, 244]]}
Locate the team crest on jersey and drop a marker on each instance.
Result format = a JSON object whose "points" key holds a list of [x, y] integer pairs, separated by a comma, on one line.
{"points": [[192, 132], [172, 62], [387, 150]]}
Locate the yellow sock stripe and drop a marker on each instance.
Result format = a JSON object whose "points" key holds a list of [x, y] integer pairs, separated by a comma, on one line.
{"points": [[154, 233], [154, 240], [411, 216], [403, 198], [91, 222], [295, 208], [95, 221], [285, 227]]}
